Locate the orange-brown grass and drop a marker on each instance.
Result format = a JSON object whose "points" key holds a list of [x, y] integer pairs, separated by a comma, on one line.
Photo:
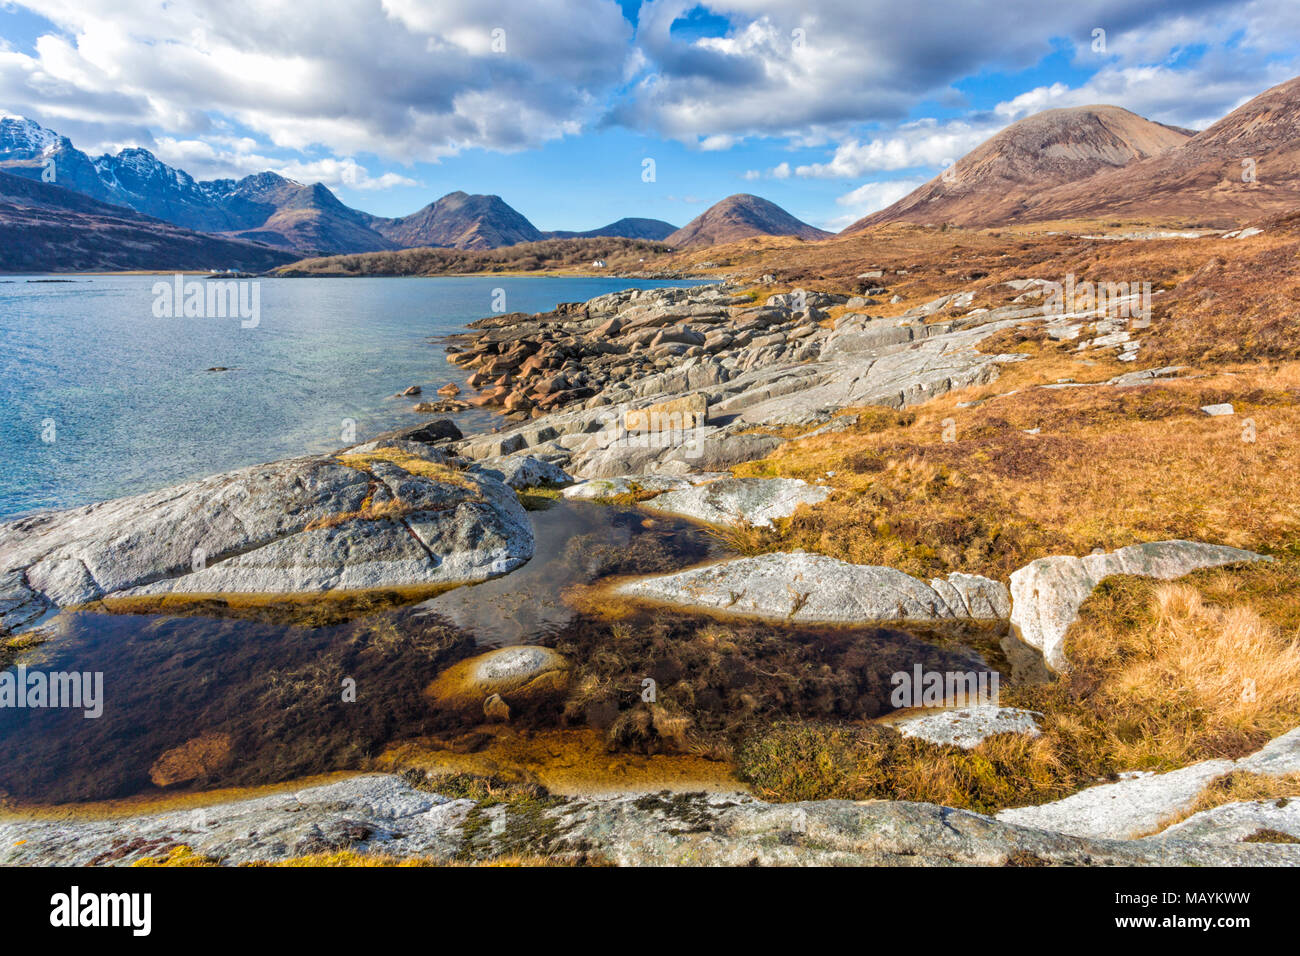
{"points": [[1222, 300], [1108, 467], [1241, 786], [1160, 678], [410, 463], [1241, 305]]}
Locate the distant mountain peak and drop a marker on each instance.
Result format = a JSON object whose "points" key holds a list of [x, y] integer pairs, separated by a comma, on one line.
{"points": [[460, 220], [740, 217]]}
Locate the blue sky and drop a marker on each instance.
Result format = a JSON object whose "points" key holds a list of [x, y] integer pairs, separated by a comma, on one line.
{"points": [[831, 108]]}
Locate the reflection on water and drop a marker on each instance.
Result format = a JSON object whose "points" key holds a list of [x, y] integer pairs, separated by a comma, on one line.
{"points": [[220, 696], [577, 543]]}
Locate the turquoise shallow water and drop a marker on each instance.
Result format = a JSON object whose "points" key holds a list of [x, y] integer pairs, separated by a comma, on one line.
{"points": [[101, 398]]}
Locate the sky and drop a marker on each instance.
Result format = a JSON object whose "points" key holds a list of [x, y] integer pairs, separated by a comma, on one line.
{"points": [[580, 112]]}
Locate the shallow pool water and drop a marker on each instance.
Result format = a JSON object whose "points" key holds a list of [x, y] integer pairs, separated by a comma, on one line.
{"points": [[218, 697]]}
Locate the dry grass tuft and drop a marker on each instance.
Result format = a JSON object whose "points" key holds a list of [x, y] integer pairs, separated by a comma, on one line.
{"points": [[1161, 678]]}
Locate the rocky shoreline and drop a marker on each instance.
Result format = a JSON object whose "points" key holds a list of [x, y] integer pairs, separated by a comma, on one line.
{"points": [[652, 394], [406, 817]]}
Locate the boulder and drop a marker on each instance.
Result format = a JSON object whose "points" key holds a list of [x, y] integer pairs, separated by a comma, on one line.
{"points": [[740, 501], [438, 430], [521, 471], [1254, 820], [356, 521], [1046, 594], [970, 726], [804, 588]]}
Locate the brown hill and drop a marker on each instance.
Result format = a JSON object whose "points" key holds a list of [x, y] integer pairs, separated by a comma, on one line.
{"points": [[1202, 182], [999, 181], [460, 221], [739, 217]]}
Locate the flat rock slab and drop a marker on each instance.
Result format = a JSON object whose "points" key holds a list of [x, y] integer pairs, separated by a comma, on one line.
{"points": [[812, 588], [740, 501], [385, 814], [1046, 594], [303, 525], [1142, 803], [595, 488], [970, 726], [1234, 822]]}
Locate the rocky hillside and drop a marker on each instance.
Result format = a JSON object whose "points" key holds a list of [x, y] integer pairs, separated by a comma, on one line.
{"points": [[1001, 179], [1243, 168], [739, 217], [48, 228], [461, 221], [619, 255]]}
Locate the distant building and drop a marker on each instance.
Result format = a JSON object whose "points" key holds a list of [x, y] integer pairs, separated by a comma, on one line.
{"points": [[598, 264]]}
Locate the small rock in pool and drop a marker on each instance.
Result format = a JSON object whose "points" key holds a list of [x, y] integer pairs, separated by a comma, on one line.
{"points": [[413, 390], [526, 674]]}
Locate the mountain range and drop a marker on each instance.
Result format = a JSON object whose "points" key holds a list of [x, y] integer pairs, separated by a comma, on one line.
{"points": [[47, 228], [272, 209], [1083, 162]]}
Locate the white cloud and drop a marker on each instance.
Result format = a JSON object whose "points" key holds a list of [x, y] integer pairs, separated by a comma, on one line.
{"points": [[235, 157], [412, 80], [869, 198], [917, 144], [809, 68]]}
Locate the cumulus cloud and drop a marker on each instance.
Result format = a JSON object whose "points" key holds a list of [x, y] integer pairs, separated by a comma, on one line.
{"points": [[788, 67], [407, 79], [226, 157], [923, 143], [869, 198], [413, 81]]}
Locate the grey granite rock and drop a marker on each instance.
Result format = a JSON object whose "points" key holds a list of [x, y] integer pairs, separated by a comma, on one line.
{"points": [[1143, 803], [968, 726], [806, 588], [740, 501], [385, 814], [302, 525], [521, 471], [1046, 594]]}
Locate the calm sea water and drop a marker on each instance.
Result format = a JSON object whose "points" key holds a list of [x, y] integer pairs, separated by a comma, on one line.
{"points": [[100, 398]]}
